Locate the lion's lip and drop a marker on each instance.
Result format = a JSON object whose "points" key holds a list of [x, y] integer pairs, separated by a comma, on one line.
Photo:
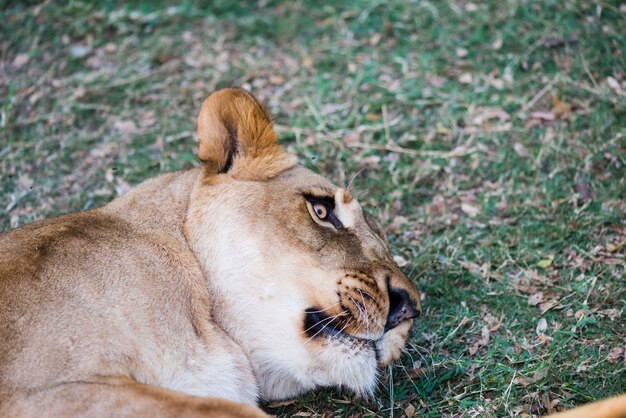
{"points": [[317, 323]]}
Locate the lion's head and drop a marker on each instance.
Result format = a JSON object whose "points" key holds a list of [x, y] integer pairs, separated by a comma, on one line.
{"points": [[301, 275]]}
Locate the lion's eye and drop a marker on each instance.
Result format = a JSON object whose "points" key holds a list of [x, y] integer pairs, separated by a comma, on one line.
{"points": [[321, 210]]}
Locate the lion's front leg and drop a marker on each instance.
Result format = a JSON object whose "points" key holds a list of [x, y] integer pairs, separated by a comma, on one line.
{"points": [[118, 397]]}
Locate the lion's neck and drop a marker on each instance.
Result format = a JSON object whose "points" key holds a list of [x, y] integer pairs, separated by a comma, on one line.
{"points": [[157, 204]]}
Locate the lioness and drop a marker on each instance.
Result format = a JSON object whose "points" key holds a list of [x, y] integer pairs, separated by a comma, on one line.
{"points": [[202, 291]]}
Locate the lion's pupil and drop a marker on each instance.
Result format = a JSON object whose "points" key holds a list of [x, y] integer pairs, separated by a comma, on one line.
{"points": [[321, 211]]}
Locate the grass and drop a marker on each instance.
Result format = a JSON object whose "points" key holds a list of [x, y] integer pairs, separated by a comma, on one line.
{"points": [[489, 137]]}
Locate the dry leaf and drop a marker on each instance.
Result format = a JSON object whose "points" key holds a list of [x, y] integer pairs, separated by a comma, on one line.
{"points": [[543, 115], [307, 61], [461, 52], [277, 80], [616, 354], [485, 334], [277, 404], [614, 85], [545, 307], [469, 209], [110, 47], [466, 78], [397, 223], [79, 51], [409, 411], [560, 108], [535, 299], [351, 138], [542, 326], [400, 261], [20, 60], [521, 150], [484, 114], [125, 127], [473, 349], [375, 39], [497, 43]]}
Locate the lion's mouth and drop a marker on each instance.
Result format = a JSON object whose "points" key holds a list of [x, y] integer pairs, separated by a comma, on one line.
{"points": [[318, 324]]}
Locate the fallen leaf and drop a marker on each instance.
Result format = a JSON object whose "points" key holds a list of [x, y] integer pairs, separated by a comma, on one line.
{"points": [[400, 261], [560, 108], [616, 354], [409, 411], [148, 118], [473, 349], [20, 60], [481, 115], [614, 85], [25, 181], [466, 78], [545, 307], [542, 326], [277, 80], [461, 52], [436, 81], [521, 150], [79, 51], [125, 126], [307, 61], [469, 209], [351, 138], [396, 224], [535, 299], [111, 47], [497, 43], [375, 39], [485, 334], [546, 262], [543, 115], [277, 404]]}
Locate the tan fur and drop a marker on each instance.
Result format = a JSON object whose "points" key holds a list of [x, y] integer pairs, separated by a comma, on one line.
{"points": [[190, 295], [234, 113], [608, 408]]}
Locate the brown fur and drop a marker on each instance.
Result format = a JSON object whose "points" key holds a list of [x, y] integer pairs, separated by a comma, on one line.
{"points": [[231, 114], [121, 311]]}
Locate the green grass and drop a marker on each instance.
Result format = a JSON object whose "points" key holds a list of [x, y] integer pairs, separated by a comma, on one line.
{"points": [[432, 107]]}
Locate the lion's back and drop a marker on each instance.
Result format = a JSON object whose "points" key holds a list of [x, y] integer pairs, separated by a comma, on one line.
{"points": [[75, 292]]}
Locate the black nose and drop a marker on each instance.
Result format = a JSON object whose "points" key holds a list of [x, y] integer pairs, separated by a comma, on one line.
{"points": [[400, 308]]}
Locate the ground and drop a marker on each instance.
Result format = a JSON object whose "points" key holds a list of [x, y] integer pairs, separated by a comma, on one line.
{"points": [[488, 136]]}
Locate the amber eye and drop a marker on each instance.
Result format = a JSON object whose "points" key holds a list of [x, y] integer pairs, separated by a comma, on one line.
{"points": [[321, 210]]}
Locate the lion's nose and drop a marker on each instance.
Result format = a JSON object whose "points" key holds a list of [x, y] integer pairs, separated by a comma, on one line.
{"points": [[400, 308]]}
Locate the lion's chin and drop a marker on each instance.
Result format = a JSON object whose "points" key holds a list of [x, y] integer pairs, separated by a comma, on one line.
{"points": [[334, 359]]}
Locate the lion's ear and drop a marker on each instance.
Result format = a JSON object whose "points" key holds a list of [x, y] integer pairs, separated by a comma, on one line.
{"points": [[236, 136]]}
